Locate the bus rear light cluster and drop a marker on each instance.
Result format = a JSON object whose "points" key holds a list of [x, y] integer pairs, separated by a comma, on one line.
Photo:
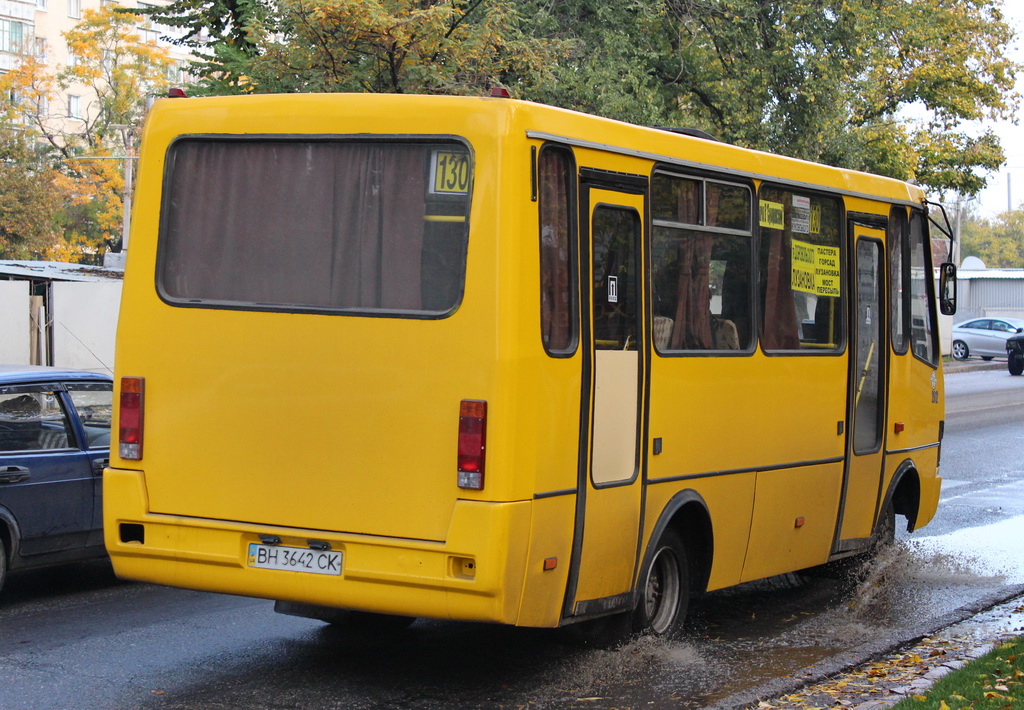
{"points": [[472, 443], [130, 419]]}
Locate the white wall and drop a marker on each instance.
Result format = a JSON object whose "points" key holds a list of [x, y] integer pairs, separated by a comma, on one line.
{"points": [[15, 336], [85, 324]]}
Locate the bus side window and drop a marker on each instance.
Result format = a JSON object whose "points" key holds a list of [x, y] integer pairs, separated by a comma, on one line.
{"points": [[801, 271], [922, 325], [701, 248], [558, 284], [899, 277]]}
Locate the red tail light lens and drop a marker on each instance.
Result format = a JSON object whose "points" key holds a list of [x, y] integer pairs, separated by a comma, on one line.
{"points": [[130, 420], [472, 443]]}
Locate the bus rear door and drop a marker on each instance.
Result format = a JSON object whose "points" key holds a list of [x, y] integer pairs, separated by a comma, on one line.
{"points": [[606, 538]]}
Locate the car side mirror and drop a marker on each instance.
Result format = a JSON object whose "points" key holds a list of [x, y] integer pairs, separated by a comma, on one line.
{"points": [[947, 288]]}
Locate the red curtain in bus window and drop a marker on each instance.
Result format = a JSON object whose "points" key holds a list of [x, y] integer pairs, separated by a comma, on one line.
{"points": [[780, 322], [556, 277], [692, 329]]}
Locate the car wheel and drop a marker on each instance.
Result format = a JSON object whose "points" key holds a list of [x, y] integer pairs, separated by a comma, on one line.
{"points": [[1015, 364], [960, 350], [664, 589]]}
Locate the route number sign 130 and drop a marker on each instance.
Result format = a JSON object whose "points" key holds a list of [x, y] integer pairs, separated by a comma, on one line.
{"points": [[449, 173]]}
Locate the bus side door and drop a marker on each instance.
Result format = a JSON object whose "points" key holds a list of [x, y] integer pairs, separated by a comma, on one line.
{"points": [[865, 443], [606, 538]]}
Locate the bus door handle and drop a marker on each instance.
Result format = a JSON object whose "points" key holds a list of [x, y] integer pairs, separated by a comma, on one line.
{"points": [[13, 474]]}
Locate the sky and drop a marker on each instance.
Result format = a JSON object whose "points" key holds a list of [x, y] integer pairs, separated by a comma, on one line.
{"points": [[1007, 186]]}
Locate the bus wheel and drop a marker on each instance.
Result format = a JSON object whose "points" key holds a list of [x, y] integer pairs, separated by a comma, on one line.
{"points": [[3, 563], [1016, 364], [664, 588], [885, 532]]}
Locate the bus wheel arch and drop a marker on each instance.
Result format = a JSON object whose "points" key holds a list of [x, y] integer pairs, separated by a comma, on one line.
{"points": [[904, 494], [676, 565]]}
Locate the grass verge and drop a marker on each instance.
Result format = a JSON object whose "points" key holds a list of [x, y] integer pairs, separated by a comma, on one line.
{"points": [[995, 680]]}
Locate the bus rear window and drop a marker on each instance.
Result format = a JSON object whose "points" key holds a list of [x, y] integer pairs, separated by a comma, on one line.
{"points": [[315, 225]]}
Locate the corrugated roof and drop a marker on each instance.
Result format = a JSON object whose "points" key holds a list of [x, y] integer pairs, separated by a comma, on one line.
{"points": [[57, 271], [968, 274]]}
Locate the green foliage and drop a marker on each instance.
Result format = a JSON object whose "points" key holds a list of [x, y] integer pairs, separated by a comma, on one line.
{"points": [[999, 242], [996, 680], [27, 199], [887, 86]]}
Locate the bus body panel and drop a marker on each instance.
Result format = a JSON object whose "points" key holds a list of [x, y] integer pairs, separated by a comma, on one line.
{"points": [[378, 574], [343, 428]]}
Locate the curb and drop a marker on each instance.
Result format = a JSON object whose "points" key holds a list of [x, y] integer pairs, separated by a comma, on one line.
{"points": [[854, 657]]}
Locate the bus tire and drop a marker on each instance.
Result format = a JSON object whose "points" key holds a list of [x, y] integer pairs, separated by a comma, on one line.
{"points": [[885, 531], [3, 563], [1015, 364], [664, 588]]}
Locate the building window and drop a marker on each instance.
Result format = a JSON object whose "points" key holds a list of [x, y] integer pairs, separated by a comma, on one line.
{"points": [[12, 36], [75, 8], [41, 49], [74, 106], [41, 5]]}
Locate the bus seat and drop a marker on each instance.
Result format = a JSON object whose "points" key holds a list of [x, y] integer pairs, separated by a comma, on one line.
{"points": [[662, 332], [726, 335]]}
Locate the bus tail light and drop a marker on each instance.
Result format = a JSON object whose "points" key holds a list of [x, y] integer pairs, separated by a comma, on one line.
{"points": [[472, 443], [130, 418]]}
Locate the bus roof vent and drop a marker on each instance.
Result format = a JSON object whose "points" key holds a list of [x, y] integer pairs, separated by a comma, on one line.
{"points": [[695, 132]]}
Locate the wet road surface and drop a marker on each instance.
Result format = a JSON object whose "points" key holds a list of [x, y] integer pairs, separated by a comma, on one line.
{"points": [[75, 637]]}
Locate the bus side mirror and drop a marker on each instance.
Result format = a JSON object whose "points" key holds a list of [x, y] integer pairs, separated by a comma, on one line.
{"points": [[947, 289]]}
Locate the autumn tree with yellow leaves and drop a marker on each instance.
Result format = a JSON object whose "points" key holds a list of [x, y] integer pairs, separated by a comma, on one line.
{"points": [[79, 161]]}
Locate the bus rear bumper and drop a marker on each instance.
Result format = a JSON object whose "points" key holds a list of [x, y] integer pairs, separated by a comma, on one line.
{"points": [[475, 575]]}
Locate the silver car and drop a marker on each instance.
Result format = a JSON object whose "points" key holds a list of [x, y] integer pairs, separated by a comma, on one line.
{"points": [[985, 337]]}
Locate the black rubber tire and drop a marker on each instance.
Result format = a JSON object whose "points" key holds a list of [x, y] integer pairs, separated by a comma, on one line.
{"points": [[885, 530], [987, 358], [1015, 364], [664, 589], [960, 351]]}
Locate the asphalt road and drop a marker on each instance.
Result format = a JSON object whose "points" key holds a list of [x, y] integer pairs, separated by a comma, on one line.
{"points": [[75, 637]]}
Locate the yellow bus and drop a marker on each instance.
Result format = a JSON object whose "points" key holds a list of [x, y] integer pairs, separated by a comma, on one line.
{"points": [[386, 357]]}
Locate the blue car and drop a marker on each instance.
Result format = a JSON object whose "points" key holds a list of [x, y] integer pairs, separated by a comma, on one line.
{"points": [[54, 445]]}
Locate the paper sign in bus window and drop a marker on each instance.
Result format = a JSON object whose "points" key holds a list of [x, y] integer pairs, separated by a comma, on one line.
{"points": [[815, 269], [772, 214]]}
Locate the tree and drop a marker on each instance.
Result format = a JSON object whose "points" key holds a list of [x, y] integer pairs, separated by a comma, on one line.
{"points": [[999, 242], [427, 46], [887, 86], [86, 152], [28, 198], [823, 80]]}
